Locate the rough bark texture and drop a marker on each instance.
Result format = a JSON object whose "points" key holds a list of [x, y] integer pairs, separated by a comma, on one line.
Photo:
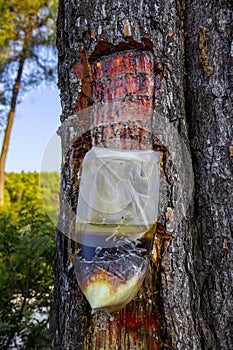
{"points": [[185, 300], [209, 112]]}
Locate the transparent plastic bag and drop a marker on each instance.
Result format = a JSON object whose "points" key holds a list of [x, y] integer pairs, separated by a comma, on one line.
{"points": [[116, 215]]}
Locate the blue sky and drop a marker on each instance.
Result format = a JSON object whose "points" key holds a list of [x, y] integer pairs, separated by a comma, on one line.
{"points": [[36, 121]]}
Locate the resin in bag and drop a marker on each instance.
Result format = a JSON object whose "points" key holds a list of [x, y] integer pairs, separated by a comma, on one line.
{"points": [[115, 225]]}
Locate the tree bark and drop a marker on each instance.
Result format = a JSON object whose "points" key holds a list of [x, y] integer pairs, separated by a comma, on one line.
{"points": [[179, 303], [209, 113]]}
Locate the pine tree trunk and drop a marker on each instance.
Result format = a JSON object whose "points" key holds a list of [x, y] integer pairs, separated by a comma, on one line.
{"points": [[184, 302], [209, 113], [10, 117]]}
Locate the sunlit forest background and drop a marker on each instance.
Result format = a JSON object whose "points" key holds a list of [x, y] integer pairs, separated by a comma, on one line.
{"points": [[28, 201], [27, 251]]}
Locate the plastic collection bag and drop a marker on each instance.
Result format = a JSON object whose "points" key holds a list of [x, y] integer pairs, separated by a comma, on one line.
{"points": [[116, 215]]}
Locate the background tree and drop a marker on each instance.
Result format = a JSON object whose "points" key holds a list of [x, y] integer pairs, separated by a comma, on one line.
{"points": [[188, 291], [27, 250], [27, 58]]}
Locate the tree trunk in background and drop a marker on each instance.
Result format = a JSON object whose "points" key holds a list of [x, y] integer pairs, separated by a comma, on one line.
{"points": [[7, 132], [185, 301], [10, 117]]}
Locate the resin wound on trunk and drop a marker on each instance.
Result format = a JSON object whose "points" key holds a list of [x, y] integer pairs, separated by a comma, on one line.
{"points": [[119, 183]]}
